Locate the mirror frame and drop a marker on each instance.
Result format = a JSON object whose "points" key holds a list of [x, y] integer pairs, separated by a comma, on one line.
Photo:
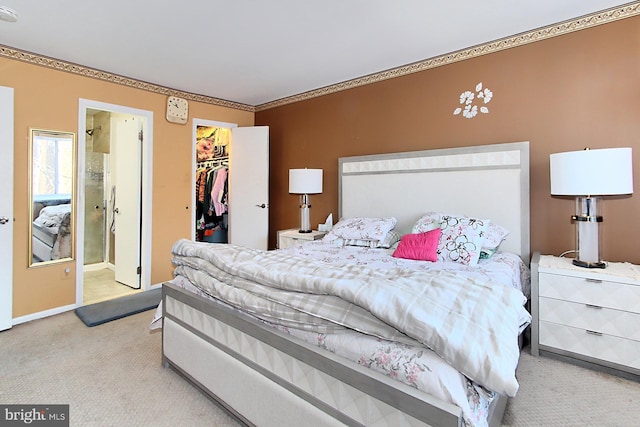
{"points": [[33, 261]]}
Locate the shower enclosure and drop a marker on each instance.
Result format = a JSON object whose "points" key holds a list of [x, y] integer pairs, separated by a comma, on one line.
{"points": [[94, 223], [95, 191]]}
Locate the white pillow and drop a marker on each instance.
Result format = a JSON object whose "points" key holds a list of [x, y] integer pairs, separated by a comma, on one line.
{"points": [[427, 222], [360, 228], [495, 234]]}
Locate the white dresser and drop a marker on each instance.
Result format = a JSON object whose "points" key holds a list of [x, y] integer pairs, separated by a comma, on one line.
{"points": [[590, 315]]}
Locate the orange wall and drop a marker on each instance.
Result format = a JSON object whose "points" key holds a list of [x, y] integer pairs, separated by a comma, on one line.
{"points": [[561, 94], [48, 99]]}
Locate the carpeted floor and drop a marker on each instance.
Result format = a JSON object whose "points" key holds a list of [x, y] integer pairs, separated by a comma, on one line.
{"points": [[111, 375]]}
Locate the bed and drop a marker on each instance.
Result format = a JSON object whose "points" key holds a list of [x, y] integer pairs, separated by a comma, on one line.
{"points": [[51, 238], [403, 370]]}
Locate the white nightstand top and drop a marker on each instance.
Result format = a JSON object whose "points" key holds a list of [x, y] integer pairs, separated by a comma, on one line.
{"points": [[617, 269], [294, 233]]}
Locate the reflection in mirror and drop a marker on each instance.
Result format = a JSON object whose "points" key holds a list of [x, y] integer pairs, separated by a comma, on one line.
{"points": [[52, 180]]}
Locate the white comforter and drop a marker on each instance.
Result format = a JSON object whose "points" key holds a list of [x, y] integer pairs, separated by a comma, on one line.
{"points": [[472, 325], [52, 216]]}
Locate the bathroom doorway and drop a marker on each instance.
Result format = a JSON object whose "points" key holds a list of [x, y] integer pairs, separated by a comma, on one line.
{"points": [[114, 190]]}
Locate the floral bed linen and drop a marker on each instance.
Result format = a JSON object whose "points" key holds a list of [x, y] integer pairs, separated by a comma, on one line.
{"points": [[502, 268], [386, 350], [416, 366]]}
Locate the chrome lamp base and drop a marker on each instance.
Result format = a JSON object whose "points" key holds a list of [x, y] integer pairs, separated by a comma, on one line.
{"points": [[587, 223], [305, 224]]}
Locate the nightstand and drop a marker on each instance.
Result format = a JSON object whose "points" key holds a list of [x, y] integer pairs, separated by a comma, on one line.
{"points": [[292, 237], [584, 315]]}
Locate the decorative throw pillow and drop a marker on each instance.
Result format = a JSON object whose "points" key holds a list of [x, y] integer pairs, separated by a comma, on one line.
{"points": [[494, 236], [421, 246], [356, 242], [461, 239], [359, 228], [427, 222], [389, 240], [486, 253]]}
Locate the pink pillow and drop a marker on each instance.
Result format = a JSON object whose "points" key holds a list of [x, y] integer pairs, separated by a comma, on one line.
{"points": [[421, 246]]}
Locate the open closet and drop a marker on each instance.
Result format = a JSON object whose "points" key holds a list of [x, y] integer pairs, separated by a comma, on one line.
{"points": [[212, 184], [230, 184]]}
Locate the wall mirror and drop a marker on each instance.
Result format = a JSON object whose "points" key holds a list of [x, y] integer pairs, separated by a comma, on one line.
{"points": [[52, 166]]}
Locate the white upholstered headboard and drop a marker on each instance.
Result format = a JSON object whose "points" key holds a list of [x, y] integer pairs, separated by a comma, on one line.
{"points": [[488, 181]]}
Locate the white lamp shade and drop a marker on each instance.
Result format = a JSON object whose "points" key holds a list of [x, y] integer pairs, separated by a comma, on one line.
{"points": [[305, 181], [592, 172]]}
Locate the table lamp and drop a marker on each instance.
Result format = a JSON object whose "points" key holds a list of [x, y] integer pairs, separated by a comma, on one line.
{"points": [[305, 182], [588, 175]]}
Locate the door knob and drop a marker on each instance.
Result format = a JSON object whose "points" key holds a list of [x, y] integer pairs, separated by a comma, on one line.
{"points": [[116, 210], [263, 206], [3, 220]]}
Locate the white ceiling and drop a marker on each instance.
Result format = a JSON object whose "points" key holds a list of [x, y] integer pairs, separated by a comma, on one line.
{"points": [[257, 51]]}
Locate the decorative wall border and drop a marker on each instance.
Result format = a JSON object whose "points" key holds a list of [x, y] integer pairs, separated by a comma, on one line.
{"points": [[32, 58], [587, 21]]}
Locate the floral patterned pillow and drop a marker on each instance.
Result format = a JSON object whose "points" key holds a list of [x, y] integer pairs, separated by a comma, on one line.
{"points": [[389, 240], [359, 228], [427, 222], [494, 234], [461, 240]]}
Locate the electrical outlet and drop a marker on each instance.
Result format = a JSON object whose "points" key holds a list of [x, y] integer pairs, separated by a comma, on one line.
{"points": [[66, 273]]}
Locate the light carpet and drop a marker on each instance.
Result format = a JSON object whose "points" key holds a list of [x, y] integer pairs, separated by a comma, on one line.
{"points": [[111, 375]]}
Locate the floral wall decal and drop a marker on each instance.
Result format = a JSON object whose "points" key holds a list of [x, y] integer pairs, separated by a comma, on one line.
{"points": [[468, 97]]}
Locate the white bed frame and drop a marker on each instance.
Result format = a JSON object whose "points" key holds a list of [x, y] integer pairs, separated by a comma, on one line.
{"points": [[267, 378]]}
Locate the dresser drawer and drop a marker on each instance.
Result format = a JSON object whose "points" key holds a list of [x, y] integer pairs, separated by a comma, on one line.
{"points": [[604, 347], [608, 294], [617, 323]]}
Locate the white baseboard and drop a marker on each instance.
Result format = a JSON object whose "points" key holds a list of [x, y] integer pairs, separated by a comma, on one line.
{"points": [[42, 314], [157, 285], [57, 310], [95, 267]]}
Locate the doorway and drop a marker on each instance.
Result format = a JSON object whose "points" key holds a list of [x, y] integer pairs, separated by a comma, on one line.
{"points": [[247, 149], [114, 193], [211, 142]]}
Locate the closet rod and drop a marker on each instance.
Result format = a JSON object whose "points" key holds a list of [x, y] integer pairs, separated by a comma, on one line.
{"points": [[214, 162]]}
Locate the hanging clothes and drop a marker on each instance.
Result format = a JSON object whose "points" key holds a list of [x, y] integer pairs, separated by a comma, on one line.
{"points": [[112, 227], [211, 196], [217, 192]]}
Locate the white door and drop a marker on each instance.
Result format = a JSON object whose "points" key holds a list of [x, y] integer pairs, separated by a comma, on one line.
{"points": [[6, 207], [249, 187], [127, 177]]}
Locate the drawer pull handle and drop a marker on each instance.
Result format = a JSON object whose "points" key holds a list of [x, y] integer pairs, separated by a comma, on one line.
{"points": [[597, 307], [598, 334], [593, 280]]}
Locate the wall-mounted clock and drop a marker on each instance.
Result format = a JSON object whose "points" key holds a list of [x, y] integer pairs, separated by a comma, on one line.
{"points": [[177, 110]]}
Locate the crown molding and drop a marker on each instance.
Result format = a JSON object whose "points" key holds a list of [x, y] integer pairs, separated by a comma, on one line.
{"points": [[587, 21], [32, 58]]}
